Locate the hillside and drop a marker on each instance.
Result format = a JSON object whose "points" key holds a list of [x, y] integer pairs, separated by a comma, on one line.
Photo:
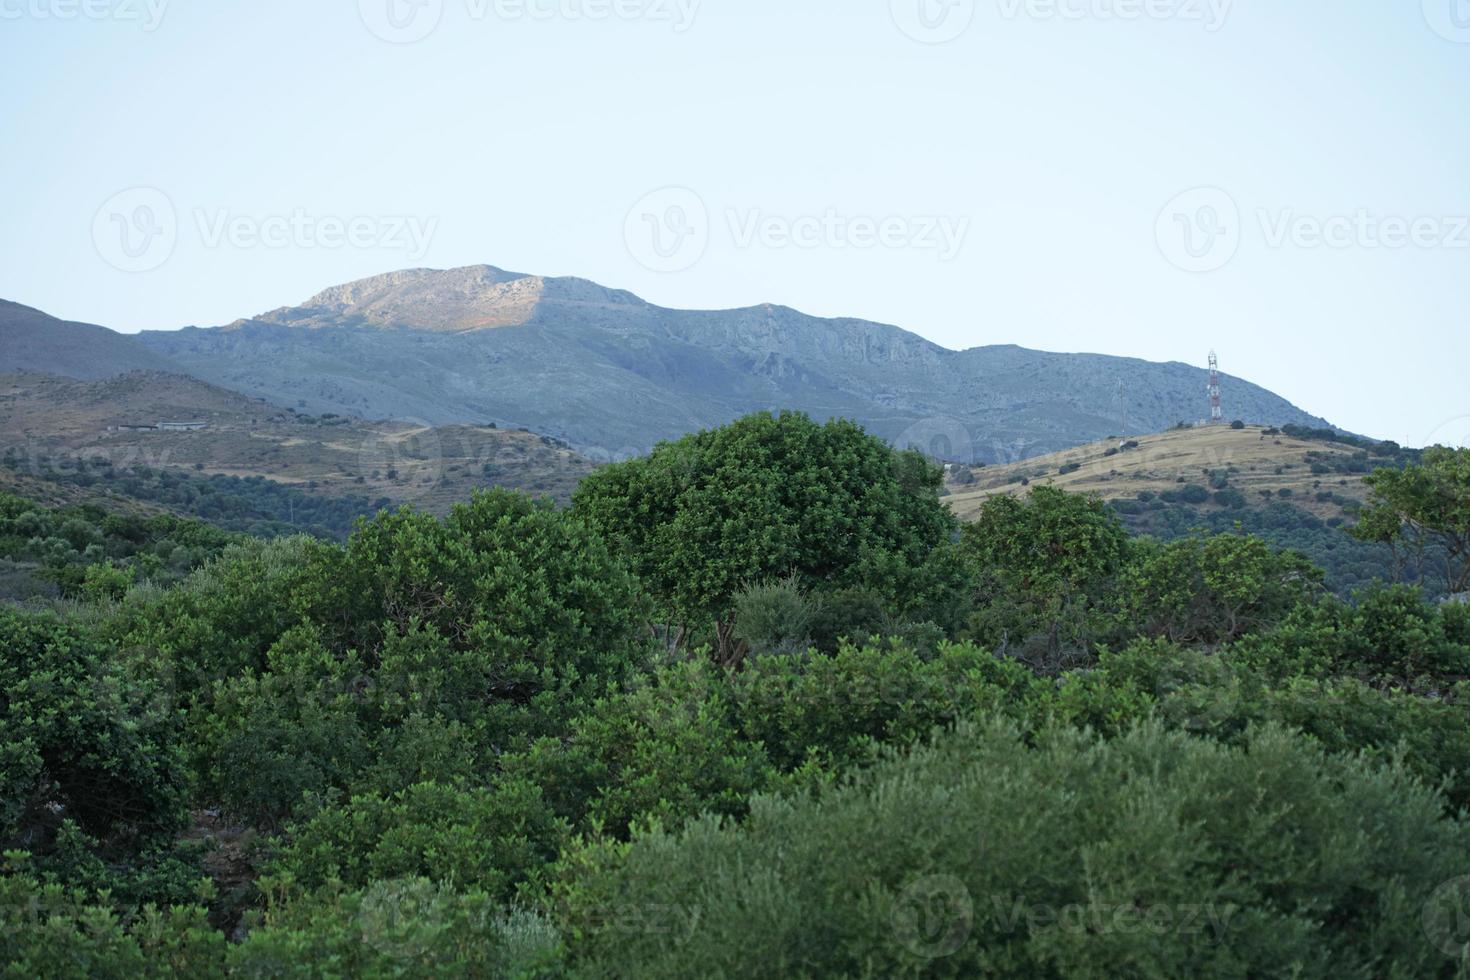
{"points": [[33, 341], [50, 427], [1249, 460], [1297, 489], [612, 374]]}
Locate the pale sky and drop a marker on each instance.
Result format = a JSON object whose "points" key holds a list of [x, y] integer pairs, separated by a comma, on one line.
{"points": [[1286, 183]]}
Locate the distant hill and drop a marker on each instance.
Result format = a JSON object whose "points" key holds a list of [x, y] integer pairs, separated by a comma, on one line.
{"points": [[33, 341], [1248, 460], [1300, 489], [612, 374], [52, 428]]}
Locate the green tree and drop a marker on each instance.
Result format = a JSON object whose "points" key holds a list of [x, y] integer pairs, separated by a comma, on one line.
{"points": [[1044, 563], [1211, 590], [1427, 502], [763, 498]]}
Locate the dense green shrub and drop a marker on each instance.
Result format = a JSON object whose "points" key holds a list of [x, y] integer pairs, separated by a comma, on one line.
{"points": [[1212, 590], [832, 708], [392, 928], [491, 839], [1151, 854], [224, 617], [763, 498], [1043, 566], [82, 738], [667, 749], [527, 589], [773, 618]]}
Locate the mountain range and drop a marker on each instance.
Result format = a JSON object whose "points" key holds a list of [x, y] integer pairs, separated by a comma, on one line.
{"points": [[611, 374]]}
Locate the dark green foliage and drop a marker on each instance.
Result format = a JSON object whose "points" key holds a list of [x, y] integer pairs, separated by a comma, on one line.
{"points": [[537, 599], [448, 747], [1041, 566], [1150, 854], [774, 618], [764, 498], [87, 552], [1425, 508], [1212, 590], [833, 708], [490, 839], [249, 504], [83, 738], [668, 749]]}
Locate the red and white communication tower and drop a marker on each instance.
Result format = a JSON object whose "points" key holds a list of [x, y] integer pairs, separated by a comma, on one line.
{"points": [[1217, 413]]}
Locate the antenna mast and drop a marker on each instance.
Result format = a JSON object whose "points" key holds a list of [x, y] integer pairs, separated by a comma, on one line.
{"points": [[1217, 413]]}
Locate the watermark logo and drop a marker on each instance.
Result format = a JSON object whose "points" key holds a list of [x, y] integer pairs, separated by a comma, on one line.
{"points": [[943, 235], [410, 21], [147, 14], [1199, 230], [403, 460], [1015, 915], [1212, 14], [1450, 19], [401, 21], [1454, 434], [941, 437], [136, 230], [679, 14], [933, 21], [409, 234], [1446, 917], [1363, 229], [668, 230], [933, 916]]}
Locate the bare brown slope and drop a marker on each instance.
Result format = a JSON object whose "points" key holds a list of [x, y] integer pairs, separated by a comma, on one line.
{"points": [[48, 422]]}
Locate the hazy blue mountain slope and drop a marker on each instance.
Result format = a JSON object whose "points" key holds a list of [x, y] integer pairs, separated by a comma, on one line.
{"points": [[33, 341], [613, 374]]}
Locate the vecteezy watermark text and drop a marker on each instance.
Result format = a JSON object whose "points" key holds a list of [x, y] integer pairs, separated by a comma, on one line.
{"points": [[300, 229], [138, 229], [669, 230], [941, 234], [408, 21], [1202, 229], [1211, 14], [147, 14]]}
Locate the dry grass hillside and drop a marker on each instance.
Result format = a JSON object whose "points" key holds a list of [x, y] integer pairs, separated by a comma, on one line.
{"points": [[1256, 460], [49, 422]]}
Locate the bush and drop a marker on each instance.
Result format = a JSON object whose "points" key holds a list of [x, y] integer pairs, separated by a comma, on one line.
{"points": [[83, 737], [491, 839], [1212, 590], [983, 854], [773, 618], [764, 498], [668, 749]]}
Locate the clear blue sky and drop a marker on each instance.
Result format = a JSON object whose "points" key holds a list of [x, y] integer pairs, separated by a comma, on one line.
{"points": [[1053, 137]]}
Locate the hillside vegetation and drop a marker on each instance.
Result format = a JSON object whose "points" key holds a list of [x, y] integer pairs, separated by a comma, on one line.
{"points": [[1294, 487], [754, 705], [1258, 461], [276, 464]]}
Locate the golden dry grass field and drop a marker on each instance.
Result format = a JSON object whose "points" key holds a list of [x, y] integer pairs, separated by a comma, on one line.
{"points": [[1254, 461]]}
